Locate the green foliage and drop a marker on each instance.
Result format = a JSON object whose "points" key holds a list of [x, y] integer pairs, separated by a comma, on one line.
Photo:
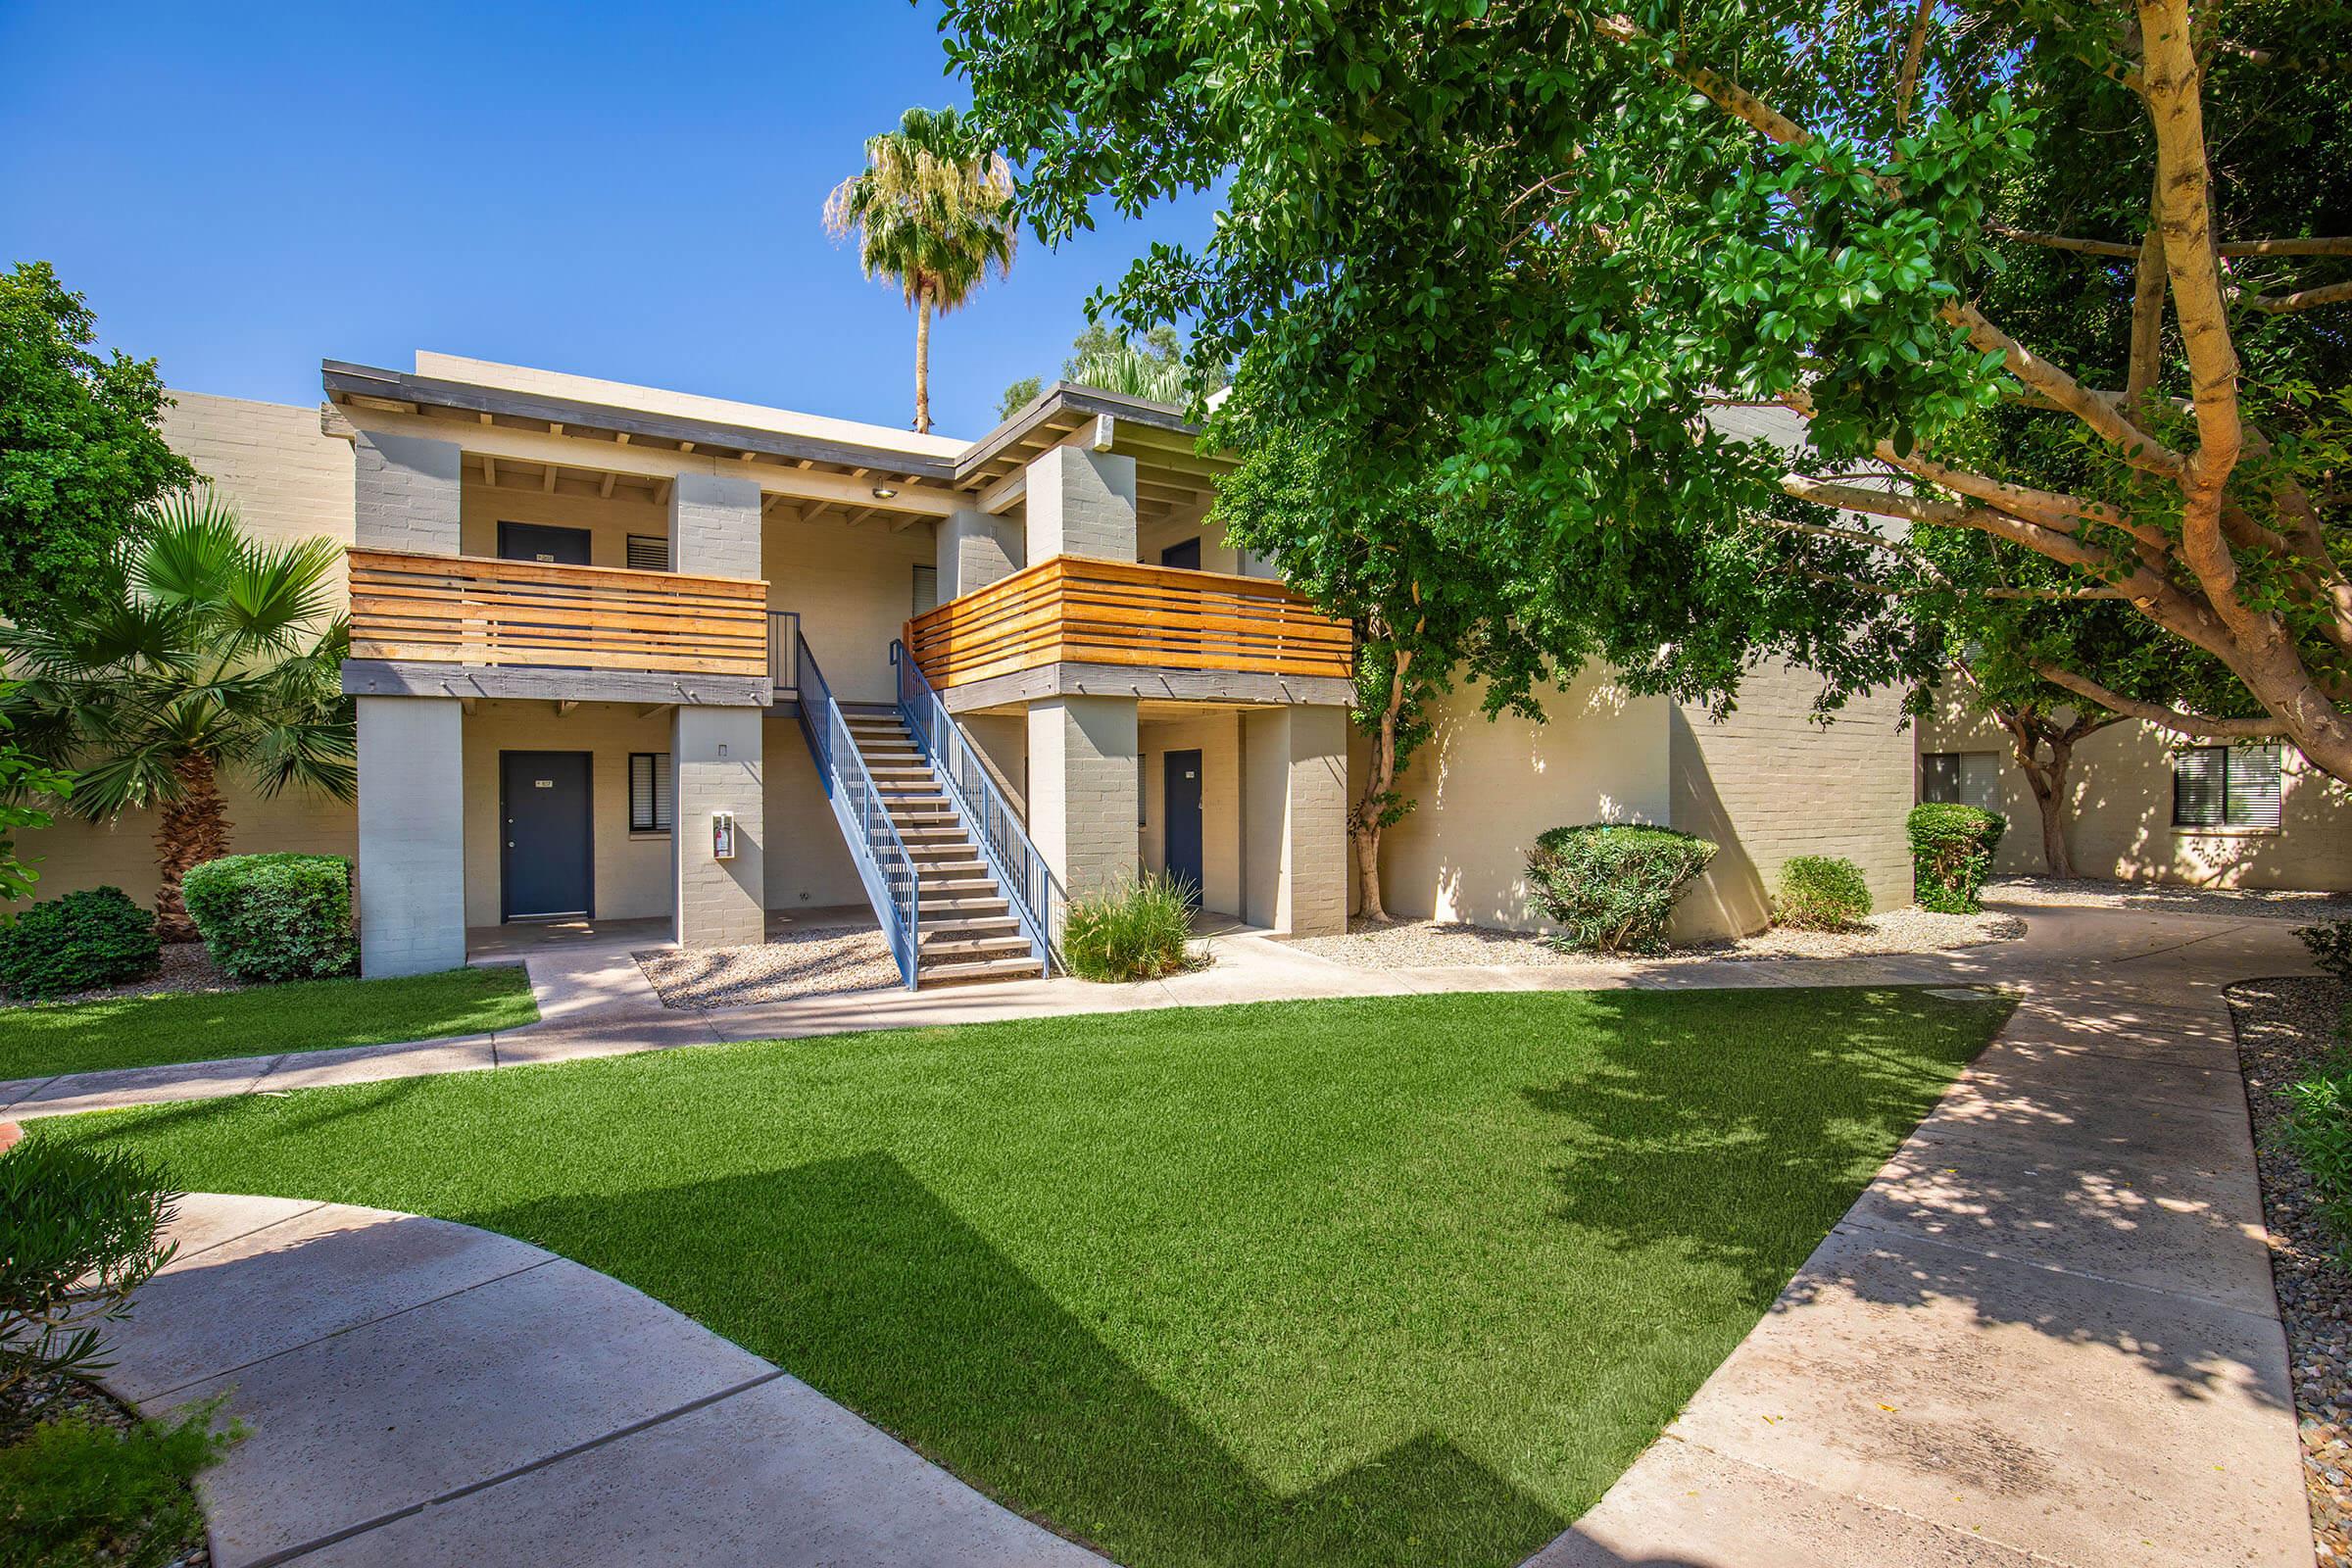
{"points": [[80, 448], [1611, 886], [75, 1493], [1135, 931], [20, 777], [1017, 395], [268, 917], [1821, 893], [2331, 945], [83, 1230], [88, 939], [1951, 854], [931, 215], [2319, 1129]]}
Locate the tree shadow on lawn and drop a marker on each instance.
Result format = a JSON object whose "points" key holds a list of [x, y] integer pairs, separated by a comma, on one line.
{"points": [[854, 1276]]}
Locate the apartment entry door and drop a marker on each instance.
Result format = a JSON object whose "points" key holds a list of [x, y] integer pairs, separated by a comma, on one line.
{"points": [[546, 859], [1180, 820], [543, 542]]}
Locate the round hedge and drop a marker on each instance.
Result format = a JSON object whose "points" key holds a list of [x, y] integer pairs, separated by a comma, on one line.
{"points": [[1821, 893], [1952, 853], [1611, 886], [268, 917], [82, 942]]}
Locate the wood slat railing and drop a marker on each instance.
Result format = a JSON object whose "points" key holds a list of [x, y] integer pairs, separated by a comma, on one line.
{"points": [[1085, 610], [471, 610]]}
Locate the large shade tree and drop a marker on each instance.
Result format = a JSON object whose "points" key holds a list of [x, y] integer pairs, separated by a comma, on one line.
{"points": [[206, 655], [1524, 248], [80, 445], [931, 216]]}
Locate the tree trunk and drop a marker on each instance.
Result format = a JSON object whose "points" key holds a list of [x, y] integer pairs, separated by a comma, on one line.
{"points": [[194, 829], [1364, 822], [922, 360], [2049, 782]]}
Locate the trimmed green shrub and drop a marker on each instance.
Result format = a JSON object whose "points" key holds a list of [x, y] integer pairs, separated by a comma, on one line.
{"points": [[1821, 893], [268, 917], [79, 1231], [83, 941], [1137, 931], [1611, 886], [76, 1492], [2331, 945], [2319, 1132], [1951, 851]]}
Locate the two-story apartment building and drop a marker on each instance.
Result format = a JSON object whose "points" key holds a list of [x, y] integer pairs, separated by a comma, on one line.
{"points": [[628, 654]]}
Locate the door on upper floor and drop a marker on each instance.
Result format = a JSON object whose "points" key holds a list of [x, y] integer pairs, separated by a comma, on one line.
{"points": [[1180, 820], [546, 859], [544, 543], [1186, 554]]}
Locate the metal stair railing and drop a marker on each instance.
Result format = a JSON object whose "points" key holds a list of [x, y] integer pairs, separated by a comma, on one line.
{"points": [[892, 884], [1005, 845]]}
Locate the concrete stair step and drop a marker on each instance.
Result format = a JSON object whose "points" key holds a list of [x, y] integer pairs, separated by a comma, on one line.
{"points": [[978, 972]]}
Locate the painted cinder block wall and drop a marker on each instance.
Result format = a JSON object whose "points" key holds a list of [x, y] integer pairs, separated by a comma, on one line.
{"points": [[2119, 824]]}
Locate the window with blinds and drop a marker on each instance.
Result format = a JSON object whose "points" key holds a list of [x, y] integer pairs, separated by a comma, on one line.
{"points": [[1964, 779], [649, 552], [926, 589], [650, 810], [2228, 786]]}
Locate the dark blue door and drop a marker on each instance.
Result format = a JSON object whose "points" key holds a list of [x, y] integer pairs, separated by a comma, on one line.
{"points": [[1186, 554], [539, 541], [1180, 820], [546, 866]]}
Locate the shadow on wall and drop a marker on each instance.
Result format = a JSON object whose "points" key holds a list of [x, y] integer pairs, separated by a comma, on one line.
{"points": [[1730, 898]]}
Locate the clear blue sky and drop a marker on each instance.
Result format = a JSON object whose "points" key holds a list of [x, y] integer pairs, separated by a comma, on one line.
{"points": [[632, 193]]}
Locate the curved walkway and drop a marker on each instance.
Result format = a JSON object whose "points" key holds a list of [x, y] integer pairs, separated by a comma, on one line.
{"points": [[418, 1392]]}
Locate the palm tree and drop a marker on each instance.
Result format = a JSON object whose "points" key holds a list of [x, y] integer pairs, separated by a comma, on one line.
{"points": [[208, 653], [1131, 372], [931, 219]]}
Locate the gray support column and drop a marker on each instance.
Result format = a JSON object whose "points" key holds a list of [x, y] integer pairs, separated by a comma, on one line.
{"points": [[411, 872], [1081, 502], [405, 493], [1294, 812], [716, 766], [714, 526], [1084, 789], [976, 550]]}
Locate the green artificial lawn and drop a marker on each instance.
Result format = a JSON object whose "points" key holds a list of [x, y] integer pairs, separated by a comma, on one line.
{"points": [[36, 1042], [1399, 1280]]}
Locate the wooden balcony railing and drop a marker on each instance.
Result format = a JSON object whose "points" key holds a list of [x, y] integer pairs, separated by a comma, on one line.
{"points": [[470, 609], [1084, 611]]}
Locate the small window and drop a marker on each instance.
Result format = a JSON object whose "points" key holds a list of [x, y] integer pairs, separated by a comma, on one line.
{"points": [[649, 792], [1962, 778], [2226, 786], [649, 552], [926, 589]]}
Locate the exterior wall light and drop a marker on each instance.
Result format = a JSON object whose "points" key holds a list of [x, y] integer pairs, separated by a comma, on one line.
{"points": [[883, 492]]}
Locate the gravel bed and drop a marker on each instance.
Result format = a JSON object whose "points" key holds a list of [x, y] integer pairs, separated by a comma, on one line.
{"points": [[1416, 944], [186, 967], [2286, 1028], [802, 964], [47, 1397], [2243, 903]]}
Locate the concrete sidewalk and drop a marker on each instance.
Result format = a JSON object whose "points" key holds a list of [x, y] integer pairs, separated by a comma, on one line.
{"points": [[418, 1392], [2045, 1333]]}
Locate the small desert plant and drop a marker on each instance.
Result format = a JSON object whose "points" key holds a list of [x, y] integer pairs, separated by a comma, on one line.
{"points": [[1821, 893], [75, 1491], [1952, 853], [2319, 1132], [1611, 886], [1135, 931], [79, 1229], [274, 917], [2331, 945], [86, 939]]}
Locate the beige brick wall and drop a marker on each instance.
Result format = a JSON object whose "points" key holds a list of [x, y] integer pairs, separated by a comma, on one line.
{"points": [[716, 754], [1083, 800], [287, 482], [1295, 789], [1768, 783], [2120, 815], [1485, 791], [854, 588], [1217, 736], [807, 865], [406, 493]]}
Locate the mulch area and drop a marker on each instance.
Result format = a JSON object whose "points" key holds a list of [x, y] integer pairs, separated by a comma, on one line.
{"points": [[2243, 904], [186, 967], [2286, 1029], [796, 964], [1416, 944]]}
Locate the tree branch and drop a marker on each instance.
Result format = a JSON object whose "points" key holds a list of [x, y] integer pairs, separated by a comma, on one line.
{"points": [[2328, 246], [2065, 242], [2191, 725], [2140, 449], [2147, 320], [1912, 48], [2340, 245], [2308, 299]]}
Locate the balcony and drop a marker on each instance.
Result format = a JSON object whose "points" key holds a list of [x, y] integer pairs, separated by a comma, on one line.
{"points": [[484, 612], [1081, 611]]}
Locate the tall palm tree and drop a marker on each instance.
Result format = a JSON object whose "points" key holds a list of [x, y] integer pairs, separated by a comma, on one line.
{"points": [[209, 654], [929, 216]]}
